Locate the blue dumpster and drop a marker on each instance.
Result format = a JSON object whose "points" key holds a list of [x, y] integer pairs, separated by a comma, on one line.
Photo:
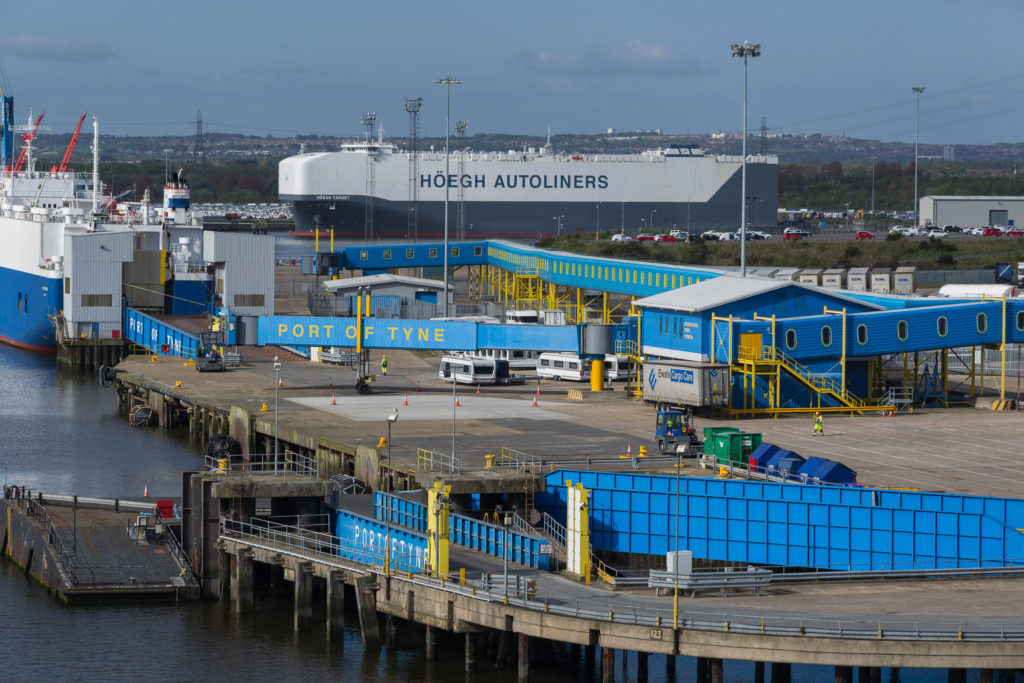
{"points": [[827, 472]]}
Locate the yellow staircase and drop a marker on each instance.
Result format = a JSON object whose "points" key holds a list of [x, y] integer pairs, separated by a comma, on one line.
{"points": [[769, 361]]}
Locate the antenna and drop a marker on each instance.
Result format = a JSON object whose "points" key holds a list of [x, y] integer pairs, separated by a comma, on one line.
{"points": [[369, 120], [413, 106]]}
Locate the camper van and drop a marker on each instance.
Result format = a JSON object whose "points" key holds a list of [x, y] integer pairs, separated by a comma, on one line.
{"points": [[518, 359], [468, 370], [522, 317], [570, 367]]}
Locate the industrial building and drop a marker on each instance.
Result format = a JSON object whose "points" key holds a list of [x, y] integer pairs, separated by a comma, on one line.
{"points": [[971, 210]]}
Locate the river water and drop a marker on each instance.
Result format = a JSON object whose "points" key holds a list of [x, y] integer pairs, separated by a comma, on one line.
{"points": [[61, 433]]}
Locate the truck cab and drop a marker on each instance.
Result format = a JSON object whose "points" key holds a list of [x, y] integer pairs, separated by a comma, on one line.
{"points": [[674, 429]]}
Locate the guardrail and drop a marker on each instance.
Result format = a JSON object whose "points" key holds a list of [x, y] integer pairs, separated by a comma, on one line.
{"points": [[288, 462], [624, 613], [442, 462], [725, 580]]}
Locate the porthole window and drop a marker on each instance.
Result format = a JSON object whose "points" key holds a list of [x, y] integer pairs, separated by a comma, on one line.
{"points": [[862, 334], [1020, 320], [982, 323], [942, 325], [364, 255], [902, 330], [790, 339], [826, 336]]}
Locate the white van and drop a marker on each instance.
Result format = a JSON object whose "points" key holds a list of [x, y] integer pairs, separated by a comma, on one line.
{"points": [[467, 370], [570, 367], [518, 359]]}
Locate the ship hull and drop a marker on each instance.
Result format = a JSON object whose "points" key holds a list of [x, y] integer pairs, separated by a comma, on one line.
{"points": [[28, 300], [522, 196]]}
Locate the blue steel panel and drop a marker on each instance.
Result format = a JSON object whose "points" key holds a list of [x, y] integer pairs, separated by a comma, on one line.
{"points": [[363, 540], [470, 533], [160, 338], [377, 333], [536, 337], [726, 520]]}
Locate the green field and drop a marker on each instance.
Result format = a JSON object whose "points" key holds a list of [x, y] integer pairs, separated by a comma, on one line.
{"points": [[930, 254]]}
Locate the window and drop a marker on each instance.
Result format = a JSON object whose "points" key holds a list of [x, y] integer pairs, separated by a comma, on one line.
{"points": [[790, 339], [1020, 320], [97, 299], [574, 366], [432, 252], [826, 336], [67, 285], [902, 330], [249, 300], [410, 253], [559, 364], [478, 251], [942, 325], [982, 323], [387, 254], [862, 334], [455, 252], [364, 255]]}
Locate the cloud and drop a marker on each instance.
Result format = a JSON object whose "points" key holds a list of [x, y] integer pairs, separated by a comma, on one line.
{"points": [[634, 57], [81, 47]]}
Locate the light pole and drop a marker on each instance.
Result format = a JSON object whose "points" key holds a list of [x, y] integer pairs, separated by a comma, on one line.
{"points": [[917, 131], [277, 392], [448, 82], [392, 418], [597, 224], [744, 50], [651, 222], [675, 593]]}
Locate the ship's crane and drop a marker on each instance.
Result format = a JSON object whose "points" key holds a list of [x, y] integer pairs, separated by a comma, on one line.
{"points": [[27, 139], [63, 165], [111, 204]]}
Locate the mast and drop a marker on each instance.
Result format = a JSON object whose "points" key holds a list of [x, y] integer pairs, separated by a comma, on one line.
{"points": [[95, 163]]}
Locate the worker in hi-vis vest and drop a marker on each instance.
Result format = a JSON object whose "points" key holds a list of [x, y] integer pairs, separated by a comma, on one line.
{"points": [[384, 364]]}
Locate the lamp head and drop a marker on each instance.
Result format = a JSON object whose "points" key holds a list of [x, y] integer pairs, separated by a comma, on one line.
{"points": [[393, 415]]}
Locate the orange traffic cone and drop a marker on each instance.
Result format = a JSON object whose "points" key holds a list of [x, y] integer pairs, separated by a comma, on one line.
{"points": [[629, 449], [280, 382], [145, 490], [418, 386], [333, 402], [457, 404], [478, 388], [535, 402], [538, 389], [406, 401]]}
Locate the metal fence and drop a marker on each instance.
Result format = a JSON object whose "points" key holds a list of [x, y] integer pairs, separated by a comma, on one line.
{"points": [[286, 463], [986, 361]]}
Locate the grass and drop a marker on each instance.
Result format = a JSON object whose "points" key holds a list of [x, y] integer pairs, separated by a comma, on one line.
{"points": [[891, 252]]}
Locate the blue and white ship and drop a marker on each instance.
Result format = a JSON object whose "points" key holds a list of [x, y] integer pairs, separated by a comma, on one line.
{"points": [[73, 257]]}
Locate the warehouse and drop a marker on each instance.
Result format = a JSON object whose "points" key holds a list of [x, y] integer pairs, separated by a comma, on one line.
{"points": [[972, 210]]}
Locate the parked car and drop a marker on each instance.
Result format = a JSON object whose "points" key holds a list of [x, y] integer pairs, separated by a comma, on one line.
{"points": [[864, 235], [792, 236], [938, 234], [991, 232], [711, 236], [645, 237], [619, 237], [799, 232], [680, 235], [665, 238], [1015, 232], [758, 235]]}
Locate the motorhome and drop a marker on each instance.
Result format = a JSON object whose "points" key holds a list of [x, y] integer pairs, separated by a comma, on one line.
{"points": [[570, 367], [522, 317], [468, 370], [518, 359]]}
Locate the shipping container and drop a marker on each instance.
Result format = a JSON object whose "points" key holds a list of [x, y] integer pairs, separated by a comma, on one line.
{"points": [[686, 384]]}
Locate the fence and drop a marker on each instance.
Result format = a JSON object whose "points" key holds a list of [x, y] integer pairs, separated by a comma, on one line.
{"points": [[986, 361], [261, 463]]}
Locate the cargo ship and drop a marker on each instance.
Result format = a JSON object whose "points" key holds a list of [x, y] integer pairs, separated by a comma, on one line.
{"points": [[374, 190], [74, 256]]}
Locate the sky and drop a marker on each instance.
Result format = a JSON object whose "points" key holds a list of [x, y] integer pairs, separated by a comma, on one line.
{"points": [[316, 66]]}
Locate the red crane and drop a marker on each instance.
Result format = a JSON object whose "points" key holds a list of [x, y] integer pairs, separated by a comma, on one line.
{"points": [[27, 139], [63, 166]]}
